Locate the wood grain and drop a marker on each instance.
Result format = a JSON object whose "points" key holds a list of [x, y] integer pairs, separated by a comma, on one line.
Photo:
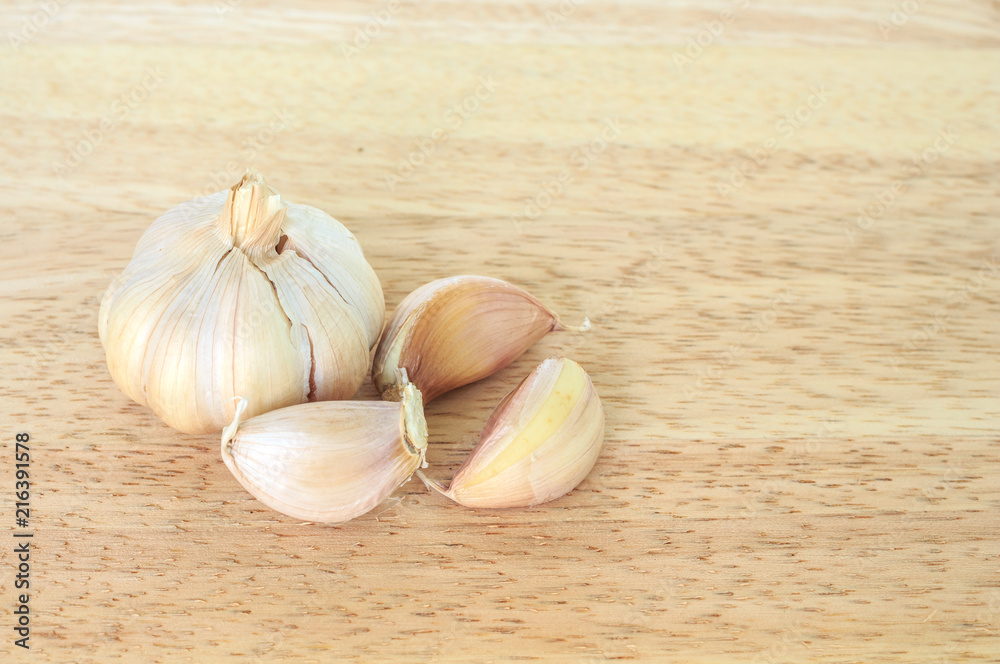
{"points": [[802, 458]]}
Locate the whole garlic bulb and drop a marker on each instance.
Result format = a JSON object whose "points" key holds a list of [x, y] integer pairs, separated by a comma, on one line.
{"points": [[240, 293]]}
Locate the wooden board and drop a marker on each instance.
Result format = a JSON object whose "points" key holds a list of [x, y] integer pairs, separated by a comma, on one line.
{"points": [[785, 238]]}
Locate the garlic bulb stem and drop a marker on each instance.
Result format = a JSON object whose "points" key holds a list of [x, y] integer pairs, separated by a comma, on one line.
{"points": [[252, 216]]}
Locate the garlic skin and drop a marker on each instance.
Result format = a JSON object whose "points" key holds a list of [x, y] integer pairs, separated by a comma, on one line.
{"points": [[327, 462], [455, 331], [540, 442], [240, 293]]}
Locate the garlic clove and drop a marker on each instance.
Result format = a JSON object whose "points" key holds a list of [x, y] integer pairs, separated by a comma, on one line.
{"points": [[455, 331], [328, 461], [240, 293], [332, 345], [328, 246], [540, 442]]}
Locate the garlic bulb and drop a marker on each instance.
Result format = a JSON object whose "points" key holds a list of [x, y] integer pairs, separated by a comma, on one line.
{"points": [[330, 461], [455, 331], [539, 443], [240, 293]]}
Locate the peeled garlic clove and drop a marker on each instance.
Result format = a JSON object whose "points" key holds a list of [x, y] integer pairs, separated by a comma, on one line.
{"points": [[240, 293], [455, 331], [539, 443], [329, 461]]}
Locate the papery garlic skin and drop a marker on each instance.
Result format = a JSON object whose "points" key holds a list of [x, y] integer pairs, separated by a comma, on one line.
{"points": [[540, 442], [455, 331], [327, 462], [240, 293]]}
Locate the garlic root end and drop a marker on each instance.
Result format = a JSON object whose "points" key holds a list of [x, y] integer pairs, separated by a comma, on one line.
{"points": [[432, 484], [561, 327]]}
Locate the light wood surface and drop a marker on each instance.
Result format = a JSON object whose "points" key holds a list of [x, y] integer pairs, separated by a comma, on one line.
{"points": [[801, 458]]}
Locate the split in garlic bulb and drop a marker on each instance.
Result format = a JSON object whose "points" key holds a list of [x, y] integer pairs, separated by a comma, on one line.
{"points": [[240, 293], [540, 442], [455, 331], [327, 462]]}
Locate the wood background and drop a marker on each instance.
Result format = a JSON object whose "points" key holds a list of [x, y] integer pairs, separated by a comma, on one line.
{"points": [[801, 458]]}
